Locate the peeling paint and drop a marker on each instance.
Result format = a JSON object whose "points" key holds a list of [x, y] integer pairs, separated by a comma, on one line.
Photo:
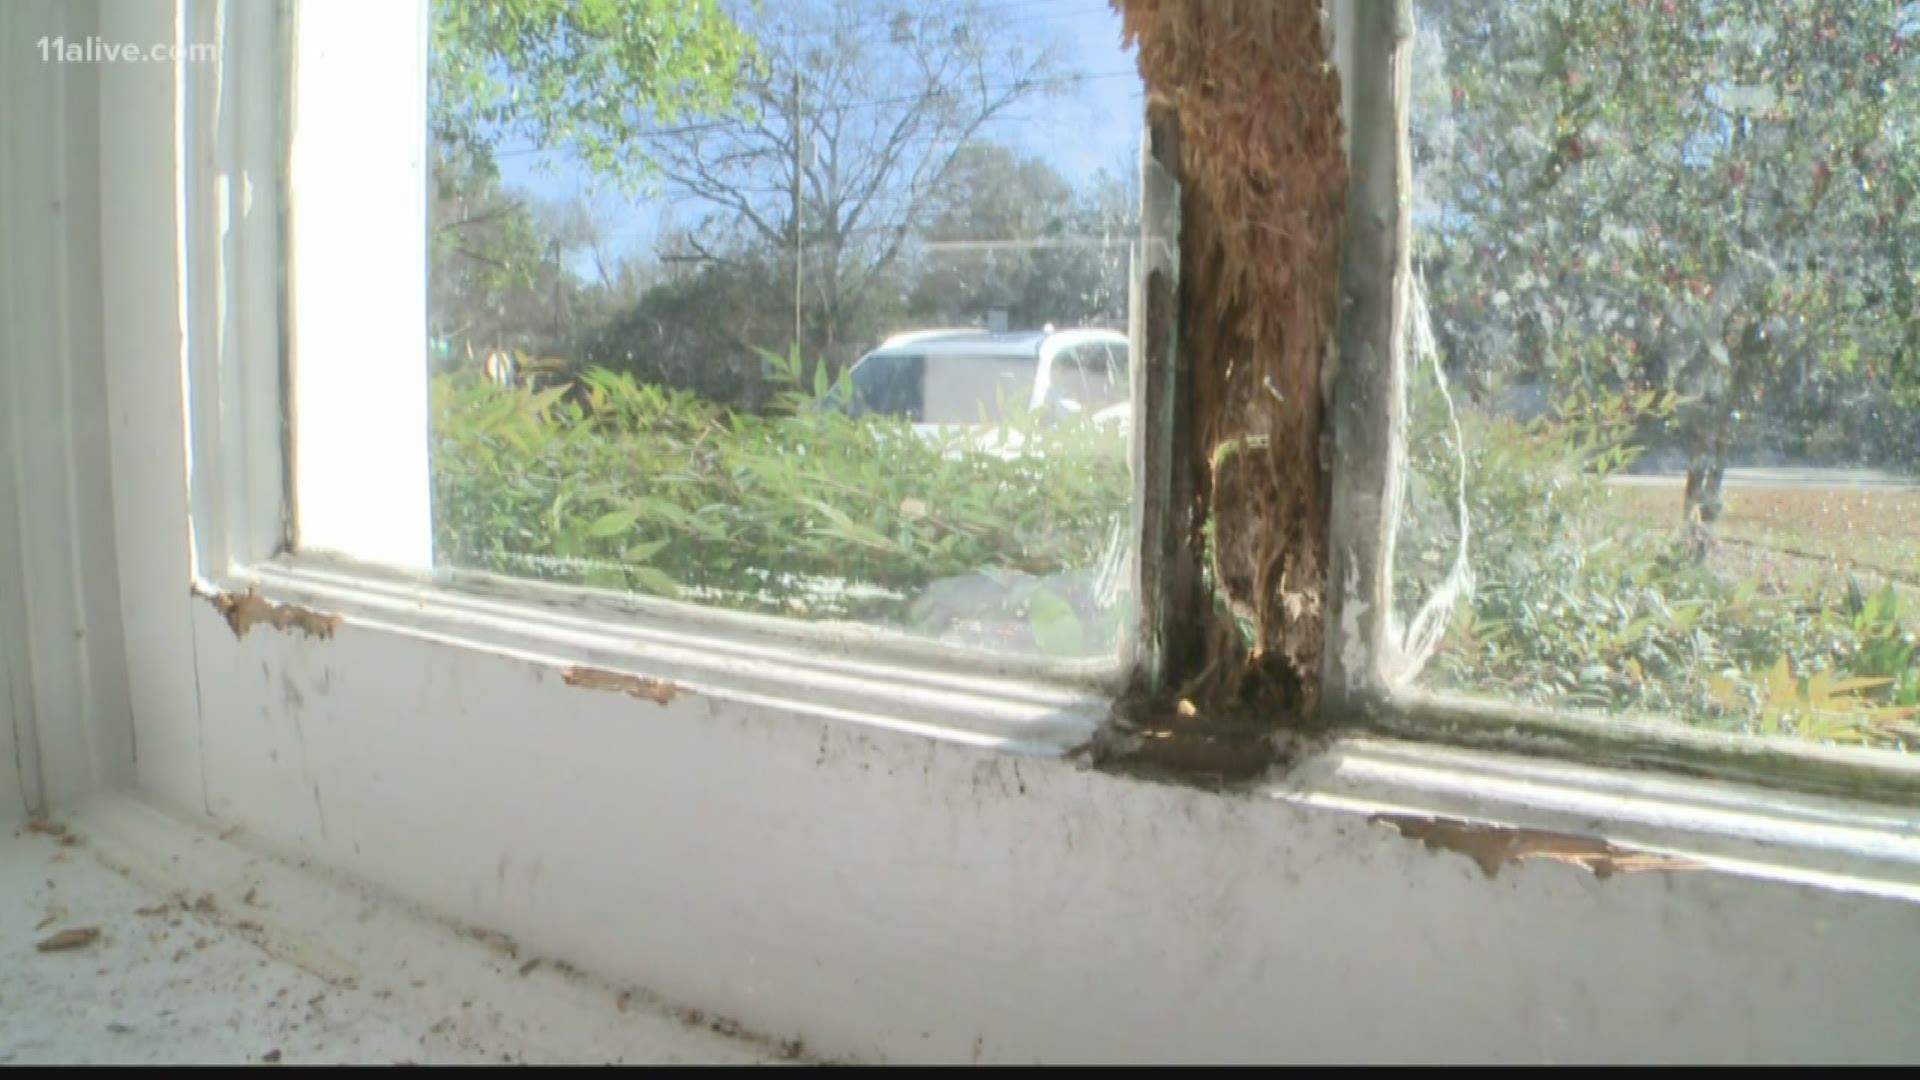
{"points": [[1494, 846], [244, 610], [658, 691]]}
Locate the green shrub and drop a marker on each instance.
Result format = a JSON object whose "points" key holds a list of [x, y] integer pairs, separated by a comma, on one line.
{"points": [[811, 513], [1576, 604], [807, 512]]}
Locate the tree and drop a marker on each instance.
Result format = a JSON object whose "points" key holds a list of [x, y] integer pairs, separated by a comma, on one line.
{"points": [[851, 126], [1709, 196], [588, 77], [1009, 233], [697, 330], [490, 278], [503, 271]]}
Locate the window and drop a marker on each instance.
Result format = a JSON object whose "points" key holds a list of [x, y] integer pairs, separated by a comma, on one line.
{"points": [[774, 336], [890, 384], [455, 739], [666, 364], [1663, 363]]}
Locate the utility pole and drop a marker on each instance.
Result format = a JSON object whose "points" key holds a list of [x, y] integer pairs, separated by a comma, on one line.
{"points": [[799, 158], [553, 249]]}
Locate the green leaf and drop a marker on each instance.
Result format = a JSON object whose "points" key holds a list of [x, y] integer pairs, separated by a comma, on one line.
{"points": [[642, 553], [541, 402], [655, 581], [612, 524], [835, 514], [598, 578]]}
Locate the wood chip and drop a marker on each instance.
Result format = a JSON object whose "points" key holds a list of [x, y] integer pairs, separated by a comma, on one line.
{"points": [[1494, 846], [658, 691], [78, 937], [245, 610]]}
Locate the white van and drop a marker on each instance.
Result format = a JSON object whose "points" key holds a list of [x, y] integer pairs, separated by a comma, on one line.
{"points": [[947, 379]]}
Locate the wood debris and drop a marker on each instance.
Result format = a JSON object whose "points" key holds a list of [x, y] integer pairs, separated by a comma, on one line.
{"points": [[245, 610], [78, 937], [1494, 846], [658, 691]]}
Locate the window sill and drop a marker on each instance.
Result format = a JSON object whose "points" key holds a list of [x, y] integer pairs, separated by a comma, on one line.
{"points": [[844, 672], [842, 675], [762, 849], [1717, 825], [1652, 744]]}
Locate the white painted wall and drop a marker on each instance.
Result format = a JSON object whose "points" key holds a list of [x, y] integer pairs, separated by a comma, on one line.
{"points": [[885, 894], [64, 716], [13, 728]]}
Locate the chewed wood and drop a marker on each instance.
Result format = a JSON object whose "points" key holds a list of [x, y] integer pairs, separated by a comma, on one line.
{"points": [[1263, 182], [658, 691]]}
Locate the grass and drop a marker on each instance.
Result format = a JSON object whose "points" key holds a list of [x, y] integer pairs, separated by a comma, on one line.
{"points": [[1842, 527]]}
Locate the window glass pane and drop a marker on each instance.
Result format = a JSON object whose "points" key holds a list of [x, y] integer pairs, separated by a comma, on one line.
{"points": [[747, 304], [1671, 259]]}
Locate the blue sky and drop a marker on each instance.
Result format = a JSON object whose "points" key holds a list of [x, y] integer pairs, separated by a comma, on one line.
{"points": [[1092, 124]]}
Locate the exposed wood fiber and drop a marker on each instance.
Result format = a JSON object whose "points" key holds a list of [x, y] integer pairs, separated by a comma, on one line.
{"points": [[245, 610], [1263, 187], [658, 691], [1494, 846]]}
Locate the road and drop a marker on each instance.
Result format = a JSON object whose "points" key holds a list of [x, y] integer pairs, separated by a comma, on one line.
{"points": [[1871, 479]]}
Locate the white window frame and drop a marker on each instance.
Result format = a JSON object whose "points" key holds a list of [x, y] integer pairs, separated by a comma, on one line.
{"points": [[357, 541]]}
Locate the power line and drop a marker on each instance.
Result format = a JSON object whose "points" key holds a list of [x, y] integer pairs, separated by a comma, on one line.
{"points": [[735, 122], [1043, 12], [1038, 17], [1028, 245]]}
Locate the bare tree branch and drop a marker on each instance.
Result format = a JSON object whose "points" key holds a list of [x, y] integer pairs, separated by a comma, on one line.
{"points": [[864, 106]]}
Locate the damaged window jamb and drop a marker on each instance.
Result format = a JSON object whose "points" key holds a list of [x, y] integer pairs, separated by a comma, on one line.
{"points": [[1244, 180], [1245, 114]]}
